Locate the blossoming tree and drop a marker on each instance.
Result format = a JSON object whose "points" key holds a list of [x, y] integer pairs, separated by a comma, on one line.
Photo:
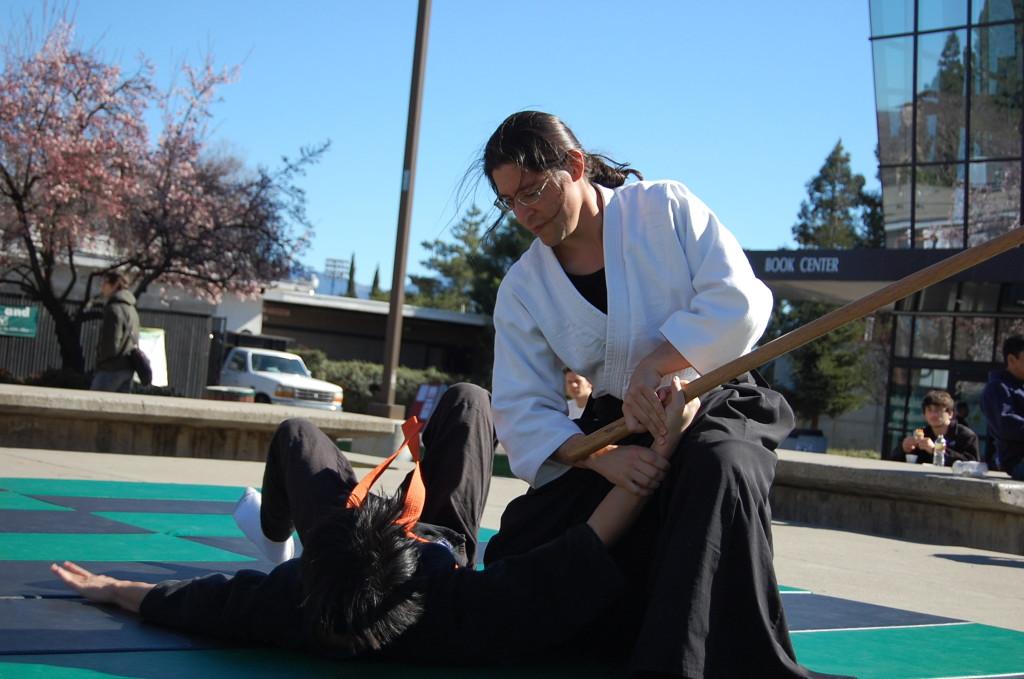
{"points": [[78, 174], [71, 137]]}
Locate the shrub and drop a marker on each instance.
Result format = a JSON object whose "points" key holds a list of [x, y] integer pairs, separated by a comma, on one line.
{"points": [[315, 360], [7, 378], [59, 378], [408, 381], [153, 390], [361, 379]]}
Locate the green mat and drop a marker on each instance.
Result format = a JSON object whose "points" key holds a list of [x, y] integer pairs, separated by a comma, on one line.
{"points": [[957, 650], [122, 489], [10, 500], [259, 664], [105, 547], [940, 650], [954, 650], [183, 525], [43, 671]]}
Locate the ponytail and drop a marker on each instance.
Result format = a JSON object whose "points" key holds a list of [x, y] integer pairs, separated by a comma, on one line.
{"points": [[607, 172]]}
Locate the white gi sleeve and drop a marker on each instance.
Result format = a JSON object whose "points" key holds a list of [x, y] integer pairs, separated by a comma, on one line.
{"points": [[527, 390], [730, 307]]}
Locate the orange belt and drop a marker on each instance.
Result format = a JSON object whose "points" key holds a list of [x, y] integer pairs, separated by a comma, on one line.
{"points": [[415, 494]]}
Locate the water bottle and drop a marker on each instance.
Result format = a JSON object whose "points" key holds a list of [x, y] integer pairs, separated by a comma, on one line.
{"points": [[939, 454]]}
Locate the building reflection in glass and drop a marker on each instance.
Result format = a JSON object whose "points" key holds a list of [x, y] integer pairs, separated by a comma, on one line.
{"points": [[949, 87]]}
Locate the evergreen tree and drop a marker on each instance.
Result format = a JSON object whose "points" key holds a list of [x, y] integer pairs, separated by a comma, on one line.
{"points": [[950, 77], [872, 218], [500, 248], [944, 105], [434, 293], [830, 376], [828, 218], [350, 291], [470, 267], [375, 291], [451, 287], [468, 271], [997, 88]]}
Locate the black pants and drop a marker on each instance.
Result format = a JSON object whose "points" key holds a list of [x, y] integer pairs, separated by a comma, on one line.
{"points": [[306, 474], [704, 600]]}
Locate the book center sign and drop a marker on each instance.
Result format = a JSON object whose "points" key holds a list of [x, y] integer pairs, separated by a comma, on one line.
{"points": [[801, 264], [19, 321]]}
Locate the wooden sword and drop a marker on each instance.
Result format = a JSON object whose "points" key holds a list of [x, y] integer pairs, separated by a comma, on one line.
{"points": [[582, 447]]}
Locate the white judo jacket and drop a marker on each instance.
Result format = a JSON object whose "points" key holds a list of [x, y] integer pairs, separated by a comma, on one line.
{"points": [[673, 273]]}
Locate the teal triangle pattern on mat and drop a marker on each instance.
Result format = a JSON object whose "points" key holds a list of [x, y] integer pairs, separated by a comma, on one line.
{"points": [[121, 489], [937, 650]]}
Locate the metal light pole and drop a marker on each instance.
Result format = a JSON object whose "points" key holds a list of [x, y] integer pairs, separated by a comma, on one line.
{"points": [[386, 407]]}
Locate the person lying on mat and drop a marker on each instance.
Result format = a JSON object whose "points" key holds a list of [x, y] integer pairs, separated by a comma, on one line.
{"points": [[367, 584]]}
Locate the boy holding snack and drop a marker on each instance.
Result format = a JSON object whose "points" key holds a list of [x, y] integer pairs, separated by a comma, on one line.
{"points": [[961, 442]]}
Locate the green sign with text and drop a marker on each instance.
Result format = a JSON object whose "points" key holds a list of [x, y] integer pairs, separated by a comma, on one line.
{"points": [[19, 321]]}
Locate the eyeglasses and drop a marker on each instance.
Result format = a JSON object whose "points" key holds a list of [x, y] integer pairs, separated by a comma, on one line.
{"points": [[525, 199]]}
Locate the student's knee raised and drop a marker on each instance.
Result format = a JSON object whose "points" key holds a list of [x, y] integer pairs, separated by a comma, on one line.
{"points": [[292, 437], [295, 427], [467, 394]]}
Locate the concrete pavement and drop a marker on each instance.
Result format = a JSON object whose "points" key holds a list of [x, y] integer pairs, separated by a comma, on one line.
{"points": [[976, 585]]}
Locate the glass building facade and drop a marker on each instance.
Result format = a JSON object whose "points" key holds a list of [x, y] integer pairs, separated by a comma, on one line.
{"points": [[949, 87]]}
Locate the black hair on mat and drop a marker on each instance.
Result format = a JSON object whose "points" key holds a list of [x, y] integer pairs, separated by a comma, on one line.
{"points": [[356, 567]]}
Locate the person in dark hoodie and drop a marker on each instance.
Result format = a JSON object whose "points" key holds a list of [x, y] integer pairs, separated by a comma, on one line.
{"points": [[365, 586], [1002, 401], [119, 335]]}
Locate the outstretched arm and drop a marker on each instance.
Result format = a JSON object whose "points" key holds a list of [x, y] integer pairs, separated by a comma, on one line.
{"points": [[620, 507], [103, 589], [248, 606]]}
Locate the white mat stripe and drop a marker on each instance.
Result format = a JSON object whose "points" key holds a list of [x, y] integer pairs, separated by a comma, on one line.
{"points": [[854, 629]]}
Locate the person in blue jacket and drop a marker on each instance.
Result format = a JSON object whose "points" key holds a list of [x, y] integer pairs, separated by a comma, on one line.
{"points": [[1002, 401]]}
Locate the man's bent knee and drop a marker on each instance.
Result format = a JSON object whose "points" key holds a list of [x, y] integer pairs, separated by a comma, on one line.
{"points": [[732, 461], [470, 394], [295, 427]]}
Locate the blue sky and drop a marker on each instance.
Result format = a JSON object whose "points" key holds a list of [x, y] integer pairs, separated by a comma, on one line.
{"points": [[740, 100]]}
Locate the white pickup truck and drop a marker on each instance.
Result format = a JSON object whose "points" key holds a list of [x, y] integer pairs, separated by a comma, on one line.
{"points": [[278, 377]]}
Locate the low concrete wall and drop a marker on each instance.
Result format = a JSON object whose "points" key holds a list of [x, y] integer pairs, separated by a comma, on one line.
{"points": [[910, 502], [69, 419], [921, 503]]}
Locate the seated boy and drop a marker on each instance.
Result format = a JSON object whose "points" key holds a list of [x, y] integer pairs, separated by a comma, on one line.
{"points": [[577, 391], [363, 585], [938, 410]]}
